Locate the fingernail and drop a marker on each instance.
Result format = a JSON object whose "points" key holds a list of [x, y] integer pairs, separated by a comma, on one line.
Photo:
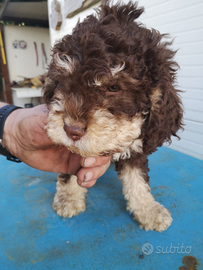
{"points": [[89, 161], [88, 176]]}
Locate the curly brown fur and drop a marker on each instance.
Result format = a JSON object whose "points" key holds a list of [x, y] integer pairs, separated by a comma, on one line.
{"points": [[111, 90]]}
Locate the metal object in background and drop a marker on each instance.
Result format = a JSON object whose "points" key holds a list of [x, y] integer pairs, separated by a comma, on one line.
{"points": [[36, 52], [22, 44], [44, 55], [15, 44], [19, 44]]}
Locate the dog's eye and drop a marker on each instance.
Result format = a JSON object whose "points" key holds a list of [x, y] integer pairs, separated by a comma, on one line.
{"points": [[113, 88]]}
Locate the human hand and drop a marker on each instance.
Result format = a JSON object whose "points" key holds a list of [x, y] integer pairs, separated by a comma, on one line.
{"points": [[24, 137]]}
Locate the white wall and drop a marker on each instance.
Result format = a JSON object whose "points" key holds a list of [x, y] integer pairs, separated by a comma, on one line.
{"points": [[183, 19], [22, 62]]}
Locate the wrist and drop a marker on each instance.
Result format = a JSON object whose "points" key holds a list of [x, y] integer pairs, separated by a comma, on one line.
{"points": [[8, 140], [7, 132]]}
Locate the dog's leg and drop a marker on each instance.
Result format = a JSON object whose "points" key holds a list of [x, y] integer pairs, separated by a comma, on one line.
{"points": [[69, 199], [150, 214]]}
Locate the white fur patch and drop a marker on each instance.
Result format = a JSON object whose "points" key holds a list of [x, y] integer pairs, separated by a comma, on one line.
{"points": [[57, 106], [114, 72], [150, 214], [96, 82], [68, 64], [135, 146], [69, 199], [117, 69], [124, 155]]}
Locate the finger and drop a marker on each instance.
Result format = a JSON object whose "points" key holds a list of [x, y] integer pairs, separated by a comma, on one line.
{"points": [[89, 183], [87, 176], [94, 161]]}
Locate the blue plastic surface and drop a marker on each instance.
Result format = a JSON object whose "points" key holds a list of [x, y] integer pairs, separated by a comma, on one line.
{"points": [[105, 236]]}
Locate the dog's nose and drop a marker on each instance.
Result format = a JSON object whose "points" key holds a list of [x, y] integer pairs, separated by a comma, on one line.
{"points": [[74, 132]]}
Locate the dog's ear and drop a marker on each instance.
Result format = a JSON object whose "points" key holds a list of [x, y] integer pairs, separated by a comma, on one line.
{"points": [[164, 118], [48, 90]]}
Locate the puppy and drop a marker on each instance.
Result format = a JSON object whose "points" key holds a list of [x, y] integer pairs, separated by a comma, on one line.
{"points": [[110, 91]]}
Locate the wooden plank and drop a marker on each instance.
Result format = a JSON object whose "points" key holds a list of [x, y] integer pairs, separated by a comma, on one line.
{"points": [[192, 136], [180, 26], [193, 48], [195, 105], [194, 126], [5, 70], [191, 93], [193, 115], [192, 82], [169, 12], [191, 71], [188, 147], [189, 60]]}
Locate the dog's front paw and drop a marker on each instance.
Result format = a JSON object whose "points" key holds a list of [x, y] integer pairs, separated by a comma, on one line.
{"points": [[68, 206], [156, 218]]}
